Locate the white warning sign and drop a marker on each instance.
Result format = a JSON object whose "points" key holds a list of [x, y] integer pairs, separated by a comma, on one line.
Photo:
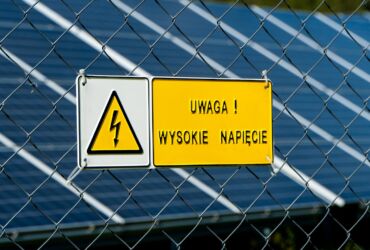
{"points": [[113, 122]]}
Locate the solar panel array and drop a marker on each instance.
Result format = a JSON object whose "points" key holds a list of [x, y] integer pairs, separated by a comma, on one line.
{"points": [[321, 112]]}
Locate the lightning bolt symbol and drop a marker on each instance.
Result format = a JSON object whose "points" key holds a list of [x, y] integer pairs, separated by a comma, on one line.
{"points": [[115, 125]]}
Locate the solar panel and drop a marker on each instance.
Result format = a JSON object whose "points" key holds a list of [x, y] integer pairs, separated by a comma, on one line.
{"points": [[43, 122]]}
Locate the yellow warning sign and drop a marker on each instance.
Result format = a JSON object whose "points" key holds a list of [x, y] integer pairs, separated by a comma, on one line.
{"points": [[212, 122], [114, 133]]}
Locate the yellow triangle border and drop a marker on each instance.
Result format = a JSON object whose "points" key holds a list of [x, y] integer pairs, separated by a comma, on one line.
{"points": [[136, 151]]}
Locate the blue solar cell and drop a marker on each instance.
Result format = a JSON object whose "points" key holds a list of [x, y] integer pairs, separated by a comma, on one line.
{"points": [[356, 24]]}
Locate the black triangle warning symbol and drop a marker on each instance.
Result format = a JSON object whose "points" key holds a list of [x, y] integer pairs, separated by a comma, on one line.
{"points": [[114, 133]]}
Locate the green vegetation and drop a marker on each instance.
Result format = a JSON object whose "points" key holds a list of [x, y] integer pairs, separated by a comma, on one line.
{"points": [[346, 6]]}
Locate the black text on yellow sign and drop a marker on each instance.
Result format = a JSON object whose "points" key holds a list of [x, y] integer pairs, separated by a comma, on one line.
{"points": [[211, 122]]}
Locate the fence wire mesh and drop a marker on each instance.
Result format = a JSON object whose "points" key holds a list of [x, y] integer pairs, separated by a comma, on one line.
{"points": [[316, 193]]}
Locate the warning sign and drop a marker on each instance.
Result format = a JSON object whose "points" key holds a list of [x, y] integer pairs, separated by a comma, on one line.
{"points": [[113, 121], [211, 122], [114, 134], [123, 122]]}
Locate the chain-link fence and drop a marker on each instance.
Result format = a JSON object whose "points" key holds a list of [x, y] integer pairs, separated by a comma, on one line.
{"points": [[316, 193]]}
